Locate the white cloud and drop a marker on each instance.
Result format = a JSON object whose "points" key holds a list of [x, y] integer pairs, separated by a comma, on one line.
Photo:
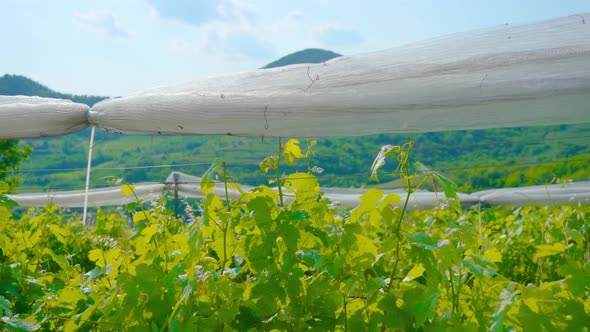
{"points": [[185, 11], [339, 36], [292, 19], [102, 21], [184, 47], [201, 12], [224, 27]]}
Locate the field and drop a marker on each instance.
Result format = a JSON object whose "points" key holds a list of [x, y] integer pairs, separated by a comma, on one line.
{"points": [[261, 264]]}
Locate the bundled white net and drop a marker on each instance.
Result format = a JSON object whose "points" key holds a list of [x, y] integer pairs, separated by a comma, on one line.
{"points": [[96, 197], [24, 117], [569, 193], [514, 75], [188, 186]]}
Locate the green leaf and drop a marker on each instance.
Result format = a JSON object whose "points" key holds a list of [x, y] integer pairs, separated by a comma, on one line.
{"points": [[5, 306], [5, 201], [140, 216], [292, 151], [369, 201], [493, 255], [4, 187], [415, 272], [131, 207], [127, 190], [15, 324], [479, 266], [59, 233], [246, 319], [544, 250], [304, 185], [507, 299], [208, 178], [449, 187], [269, 163], [425, 307], [59, 259], [97, 256]]}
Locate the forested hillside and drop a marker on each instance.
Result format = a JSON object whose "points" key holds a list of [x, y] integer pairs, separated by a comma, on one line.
{"points": [[476, 159], [14, 85], [310, 55]]}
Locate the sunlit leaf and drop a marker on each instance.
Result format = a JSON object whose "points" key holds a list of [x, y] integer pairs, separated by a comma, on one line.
{"points": [[544, 250], [97, 256], [140, 216], [493, 255], [4, 187], [269, 163], [292, 151], [304, 185], [415, 272], [128, 189]]}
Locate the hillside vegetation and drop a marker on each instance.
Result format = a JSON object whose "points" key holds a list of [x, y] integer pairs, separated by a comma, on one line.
{"points": [[14, 85], [475, 159], [310, 55]]}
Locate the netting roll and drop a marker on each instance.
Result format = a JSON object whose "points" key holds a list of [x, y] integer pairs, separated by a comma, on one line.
{"points": [[188, 186], [26, 117], [514, 75], [569, 193], [96, 197]]}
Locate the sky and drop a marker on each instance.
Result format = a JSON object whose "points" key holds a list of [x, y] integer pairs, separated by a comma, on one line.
{"points": [[117, 47]]}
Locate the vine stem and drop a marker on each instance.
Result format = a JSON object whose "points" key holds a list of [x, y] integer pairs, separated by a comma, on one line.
{"points": [[404, 171], [345, 313], [226, 225], [453, 295], [225, 186], [278, 174]]}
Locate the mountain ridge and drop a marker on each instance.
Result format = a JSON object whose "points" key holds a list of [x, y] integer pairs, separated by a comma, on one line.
{"points": [[13, 85]]}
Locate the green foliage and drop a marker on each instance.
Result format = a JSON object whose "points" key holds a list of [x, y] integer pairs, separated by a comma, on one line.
{"points": [[14, 85], [12, 154], [254, 264]]}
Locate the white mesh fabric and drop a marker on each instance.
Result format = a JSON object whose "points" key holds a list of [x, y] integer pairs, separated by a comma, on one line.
{"points": [[189, 186], [514, 75], [96, 197], [24, 117], [572, 193]]}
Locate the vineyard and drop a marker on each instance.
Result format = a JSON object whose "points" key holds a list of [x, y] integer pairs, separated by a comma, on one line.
{"points": [[255, 263], [209, 253]]}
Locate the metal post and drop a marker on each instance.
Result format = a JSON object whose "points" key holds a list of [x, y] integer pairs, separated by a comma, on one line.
{"points": [[88, 175], [176, 202]]}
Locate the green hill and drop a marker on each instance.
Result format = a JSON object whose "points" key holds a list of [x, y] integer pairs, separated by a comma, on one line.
{"points": [[310, 55], [476, 159], [14, 85]]}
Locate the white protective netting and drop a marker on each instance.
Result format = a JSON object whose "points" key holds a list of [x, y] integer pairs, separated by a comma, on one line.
{"points": [[96, 197], [188, 186], [514, 75], [568, 193], [25, 117]]}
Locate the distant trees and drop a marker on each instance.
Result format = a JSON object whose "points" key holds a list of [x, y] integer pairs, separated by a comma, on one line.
{"points": [[12, 154], [13, 85]]}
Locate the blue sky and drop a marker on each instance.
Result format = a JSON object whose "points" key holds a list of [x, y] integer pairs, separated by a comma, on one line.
{"points": [[116, 47]]}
